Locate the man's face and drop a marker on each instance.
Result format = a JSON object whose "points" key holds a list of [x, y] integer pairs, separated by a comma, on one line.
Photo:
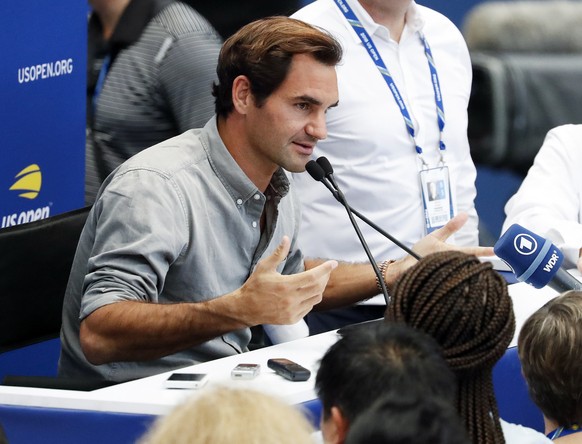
{"points": [[284, 130]]}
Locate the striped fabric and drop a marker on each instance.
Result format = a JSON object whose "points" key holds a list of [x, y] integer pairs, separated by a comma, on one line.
{"points": [[157, 87]]}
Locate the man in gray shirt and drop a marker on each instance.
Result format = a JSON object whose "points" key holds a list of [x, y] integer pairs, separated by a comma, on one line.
{"points": [[193, 241], [150, 67]]}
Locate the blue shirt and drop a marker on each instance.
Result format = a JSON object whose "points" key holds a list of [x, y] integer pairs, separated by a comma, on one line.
{"points": [[178, 222]]}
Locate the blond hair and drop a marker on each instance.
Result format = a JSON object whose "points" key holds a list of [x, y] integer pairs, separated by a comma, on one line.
{"points": [[227, 415]]}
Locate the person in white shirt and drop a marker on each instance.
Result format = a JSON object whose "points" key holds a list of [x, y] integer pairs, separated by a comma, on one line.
{"points": [[549, 200], [376, 156]]}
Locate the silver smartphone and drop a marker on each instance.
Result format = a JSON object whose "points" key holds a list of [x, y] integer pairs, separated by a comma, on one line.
{"points": [[245, 371]]}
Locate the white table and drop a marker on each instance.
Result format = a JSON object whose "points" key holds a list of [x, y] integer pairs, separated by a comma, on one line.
{"points": [[148, 395]]}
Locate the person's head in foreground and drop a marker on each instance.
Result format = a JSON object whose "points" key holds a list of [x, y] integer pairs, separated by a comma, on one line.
{"points": [[463, 304], [550, 348], [408, 417], [226, 415], [369, 363]]}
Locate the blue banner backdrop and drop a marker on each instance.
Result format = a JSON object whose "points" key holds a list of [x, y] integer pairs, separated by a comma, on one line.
{"points": [[42, 111]]}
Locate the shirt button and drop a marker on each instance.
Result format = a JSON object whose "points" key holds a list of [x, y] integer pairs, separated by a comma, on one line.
{"points": [[257, 197], [239, 201], [254, 225]]}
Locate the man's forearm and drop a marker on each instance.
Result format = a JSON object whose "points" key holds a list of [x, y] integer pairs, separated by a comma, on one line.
{"points": [[138, 331]]}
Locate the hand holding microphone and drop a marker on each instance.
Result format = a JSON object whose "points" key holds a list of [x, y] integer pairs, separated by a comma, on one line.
{"points": [[534, 260]]}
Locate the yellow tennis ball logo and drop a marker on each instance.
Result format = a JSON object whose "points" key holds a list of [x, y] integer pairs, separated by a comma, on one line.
{"points": [[29, 181]]}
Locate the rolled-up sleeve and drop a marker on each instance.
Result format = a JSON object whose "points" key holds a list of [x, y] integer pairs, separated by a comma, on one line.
{"points": [[141, 229]]}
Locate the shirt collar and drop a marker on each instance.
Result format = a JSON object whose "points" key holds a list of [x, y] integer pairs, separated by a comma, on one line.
{"points": [[414, 19], [237, 183]]}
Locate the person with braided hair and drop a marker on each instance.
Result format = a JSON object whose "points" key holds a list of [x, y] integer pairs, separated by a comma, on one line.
{"points": [[464, 304]]}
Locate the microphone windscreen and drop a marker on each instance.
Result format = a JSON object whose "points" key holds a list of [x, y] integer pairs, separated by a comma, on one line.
{"points": [[532, 258], [315, 170], [325, 164]]}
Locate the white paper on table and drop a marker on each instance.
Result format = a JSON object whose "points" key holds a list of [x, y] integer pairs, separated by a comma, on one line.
{"points": [[285, 333]]}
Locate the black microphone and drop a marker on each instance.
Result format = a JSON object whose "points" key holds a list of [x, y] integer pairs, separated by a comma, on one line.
{"points": [[326, 172], [534, 260], [327, 169], [316, 171]]}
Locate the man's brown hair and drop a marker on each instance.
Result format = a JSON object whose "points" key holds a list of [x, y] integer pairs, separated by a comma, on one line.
{"points": [[263, 51]]}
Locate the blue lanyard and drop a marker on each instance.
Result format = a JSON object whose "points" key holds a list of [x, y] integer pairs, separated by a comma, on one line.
{"points": [[377, 59], [101, 79], [561, 431]]}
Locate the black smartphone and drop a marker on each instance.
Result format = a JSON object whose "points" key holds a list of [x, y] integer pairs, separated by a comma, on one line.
{"points": [[288, 369]]}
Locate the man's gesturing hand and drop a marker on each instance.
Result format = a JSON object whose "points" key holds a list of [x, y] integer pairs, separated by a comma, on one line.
{"points": [[268, 297], [434, 242]]}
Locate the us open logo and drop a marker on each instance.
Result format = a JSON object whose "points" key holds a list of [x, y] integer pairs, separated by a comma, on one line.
{"points": [[525, 244], [28, 182]]}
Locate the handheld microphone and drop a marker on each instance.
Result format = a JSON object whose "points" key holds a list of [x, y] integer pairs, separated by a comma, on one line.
{"points": [[317, 172], [534, 260], [326, 172]]}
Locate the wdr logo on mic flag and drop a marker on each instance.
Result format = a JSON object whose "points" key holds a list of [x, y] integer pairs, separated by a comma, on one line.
{"points": [[29, 180], [525, 244], [532, 258]]}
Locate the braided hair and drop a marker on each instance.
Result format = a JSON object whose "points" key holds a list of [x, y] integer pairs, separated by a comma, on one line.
{"points": [[465, 306]]}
